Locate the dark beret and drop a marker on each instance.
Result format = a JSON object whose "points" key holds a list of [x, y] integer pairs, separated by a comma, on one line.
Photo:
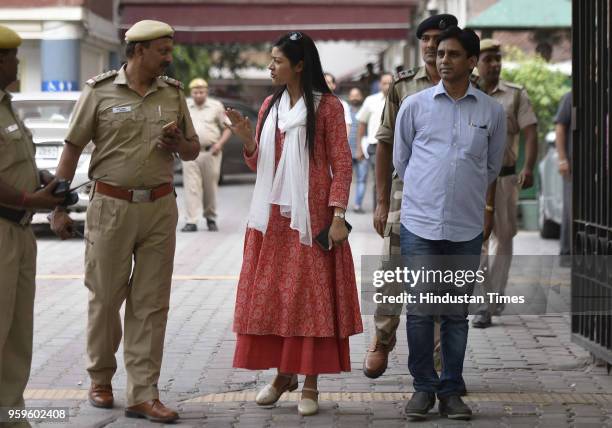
{"points": [[436, 22]]}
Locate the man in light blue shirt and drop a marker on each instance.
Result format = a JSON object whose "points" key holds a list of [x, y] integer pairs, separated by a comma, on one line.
{"points": [[449, 143]]}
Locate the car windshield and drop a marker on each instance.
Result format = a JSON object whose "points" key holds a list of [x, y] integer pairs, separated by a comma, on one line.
{"points": [[43, 111]]}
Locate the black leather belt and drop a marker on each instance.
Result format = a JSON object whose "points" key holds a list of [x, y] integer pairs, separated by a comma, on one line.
{"points": [[507, 170], [20, 217]]}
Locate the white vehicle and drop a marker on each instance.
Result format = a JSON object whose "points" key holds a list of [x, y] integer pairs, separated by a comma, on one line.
{"points": [[47, 115], [550, 196]]}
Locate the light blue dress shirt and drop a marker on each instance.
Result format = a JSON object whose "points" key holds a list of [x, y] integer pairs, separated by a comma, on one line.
{"points": [[447, 152]]}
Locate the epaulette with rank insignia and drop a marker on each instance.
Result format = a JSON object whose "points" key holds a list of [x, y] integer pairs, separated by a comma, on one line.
{"points": [[100, 77], [514, 85], [169, 80], [406, 74]]}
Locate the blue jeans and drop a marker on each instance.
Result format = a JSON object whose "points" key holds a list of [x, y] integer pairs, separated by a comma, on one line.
{"points": [[453, 328], [362, 167]]}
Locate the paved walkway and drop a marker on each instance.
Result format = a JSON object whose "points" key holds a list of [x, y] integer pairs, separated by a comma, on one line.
{"points": [[523, 371]]}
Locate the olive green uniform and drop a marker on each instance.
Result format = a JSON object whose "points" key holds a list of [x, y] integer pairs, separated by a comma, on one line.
{"points": [[18, 261], [130, 249], [409, 82]]}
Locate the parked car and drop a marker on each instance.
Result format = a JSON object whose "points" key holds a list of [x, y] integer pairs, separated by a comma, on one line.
{"points": [[233, 164], [550, 196], [47, 115]]}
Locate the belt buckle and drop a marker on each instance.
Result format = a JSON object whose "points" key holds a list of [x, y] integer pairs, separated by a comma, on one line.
{"points": [[26, 220], [141, 195]]}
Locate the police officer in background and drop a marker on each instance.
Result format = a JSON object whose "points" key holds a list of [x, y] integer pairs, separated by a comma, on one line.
{"points": [[519, 117], [19, 181], [389, 186], [201, 177], [137, 120]]}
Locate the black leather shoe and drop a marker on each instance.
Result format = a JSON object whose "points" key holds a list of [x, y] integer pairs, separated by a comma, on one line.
{"points": [[189, 227], [212, 225], [419, 405], [453, 407], [482, 320]]}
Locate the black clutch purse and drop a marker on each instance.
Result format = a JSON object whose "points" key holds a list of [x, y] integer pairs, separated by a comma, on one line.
{"points": [[323, 237]]}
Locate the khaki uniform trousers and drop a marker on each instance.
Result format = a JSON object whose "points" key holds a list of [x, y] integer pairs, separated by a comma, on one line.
{"points": [[497, 250], [201, 183], [118, 232], [387, 315], [17, 289]]}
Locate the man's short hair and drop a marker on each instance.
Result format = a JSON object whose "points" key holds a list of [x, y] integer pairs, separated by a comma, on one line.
{"points": [[130, 48], [467, 38]]}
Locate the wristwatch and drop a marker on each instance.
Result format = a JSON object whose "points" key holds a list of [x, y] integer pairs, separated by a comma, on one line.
{"points": [[339, 215]]}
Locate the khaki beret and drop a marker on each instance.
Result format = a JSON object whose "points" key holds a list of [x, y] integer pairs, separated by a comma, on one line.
{"points": [[8, 38], [146, 30], [489, 44], [198, 83]]}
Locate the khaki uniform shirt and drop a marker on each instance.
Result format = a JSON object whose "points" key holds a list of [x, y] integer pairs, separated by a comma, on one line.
{"points": [[406, 83], [519, 115], [125, 128], [208, 120], [17, 150]]}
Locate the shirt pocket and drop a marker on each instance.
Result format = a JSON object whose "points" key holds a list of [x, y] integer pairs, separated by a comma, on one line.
{"points": [[167, 116], [477, 142], [11, 149], [117, 118]]}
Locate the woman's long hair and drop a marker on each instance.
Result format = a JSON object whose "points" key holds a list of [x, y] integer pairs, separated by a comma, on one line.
{"points": [[300, 47]]}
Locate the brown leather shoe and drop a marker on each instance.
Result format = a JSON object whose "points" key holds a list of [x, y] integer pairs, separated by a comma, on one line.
{"points": [[377, 357], [101, 396], [153, 410]]}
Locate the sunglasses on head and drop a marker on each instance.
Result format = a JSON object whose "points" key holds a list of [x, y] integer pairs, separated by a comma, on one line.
{"points": [[295, 36]]}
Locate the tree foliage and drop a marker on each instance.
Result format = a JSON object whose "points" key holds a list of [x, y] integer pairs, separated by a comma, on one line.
{"points": [[191, 61], [544, 86]]}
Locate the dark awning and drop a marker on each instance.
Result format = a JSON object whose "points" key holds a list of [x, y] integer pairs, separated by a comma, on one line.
{"points": [[263, 21]]}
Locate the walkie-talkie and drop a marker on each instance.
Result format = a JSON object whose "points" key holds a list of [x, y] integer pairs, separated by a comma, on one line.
{"points": [[63, 188]]}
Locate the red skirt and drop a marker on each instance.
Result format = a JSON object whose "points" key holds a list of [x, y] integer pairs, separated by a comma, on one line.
{"points": [[300, 355]]}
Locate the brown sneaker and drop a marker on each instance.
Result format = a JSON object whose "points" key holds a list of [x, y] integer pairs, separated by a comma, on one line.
{"points": [[153, 410], [101, 396], [377, 358]]}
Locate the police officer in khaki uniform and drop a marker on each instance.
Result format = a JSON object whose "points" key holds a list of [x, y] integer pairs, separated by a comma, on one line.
{"points": [[201, 177], [137, 122], [19, 180], [520, 117], [390, 187]]}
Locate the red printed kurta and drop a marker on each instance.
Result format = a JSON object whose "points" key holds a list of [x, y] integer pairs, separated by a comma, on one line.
{"points": [[296, 305]]}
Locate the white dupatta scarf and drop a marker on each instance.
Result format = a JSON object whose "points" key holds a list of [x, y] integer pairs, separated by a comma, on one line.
{"points": [[288, 188]]}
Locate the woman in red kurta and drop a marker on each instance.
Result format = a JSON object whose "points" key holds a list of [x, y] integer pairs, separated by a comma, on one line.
{"points": [[297, 303]]}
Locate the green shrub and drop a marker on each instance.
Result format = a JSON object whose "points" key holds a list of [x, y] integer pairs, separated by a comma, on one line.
{"points": [[544, 86]]}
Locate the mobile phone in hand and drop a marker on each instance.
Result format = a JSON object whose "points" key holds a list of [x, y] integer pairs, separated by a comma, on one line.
{"points": [[323, 237], [169, 126]]}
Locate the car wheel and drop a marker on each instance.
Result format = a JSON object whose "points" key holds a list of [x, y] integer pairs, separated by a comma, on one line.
{"points": [[221, 171], [548, 228]]}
